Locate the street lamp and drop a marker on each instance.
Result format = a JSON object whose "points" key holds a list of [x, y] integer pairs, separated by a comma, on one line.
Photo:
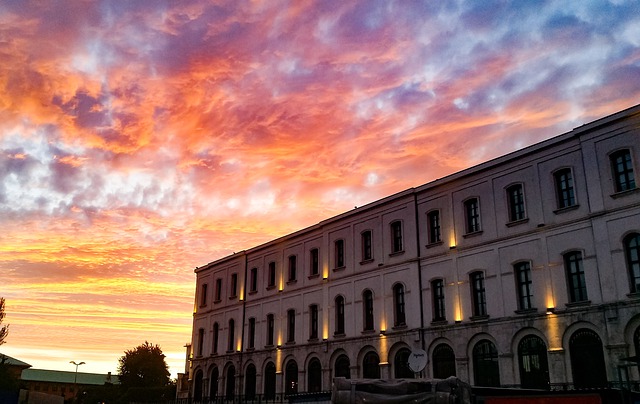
{"points": [[75, 379]]}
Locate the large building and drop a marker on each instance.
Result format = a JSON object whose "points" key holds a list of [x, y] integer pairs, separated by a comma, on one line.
{"points": [[522, 271]]}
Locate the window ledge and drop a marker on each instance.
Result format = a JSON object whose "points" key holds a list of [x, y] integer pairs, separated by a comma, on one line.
{"points": [[292, 281], [214, 354], [367, 261], [578, 304], [479, 318], [434, 244], [472, 234], [566, 209], [233, 297], [313, 276], [396, 253], [290, 343], [271, 287], [517, 222], [337, 269], [339, 335], [250, 349], [253, 292], [633, 295], [217, 301], [399, 327], [439, 322], [621, 194], [368, 332], [313, 339], [230, 351], [269, 346], [526, 311]]}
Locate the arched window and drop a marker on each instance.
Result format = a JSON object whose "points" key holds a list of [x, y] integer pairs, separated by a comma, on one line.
{"points": [[339, 315], [213, 383], [231, 382], [232, 326], [197, 386], [270, 381], [444, 362], [485, 364], [401, 364], [371, 366], [250, 382], [216, 335], [342, 367], [367, 303], [398, 305], [587, 359], [532, 359], [291, 378], [632, 253], [314, 376]]}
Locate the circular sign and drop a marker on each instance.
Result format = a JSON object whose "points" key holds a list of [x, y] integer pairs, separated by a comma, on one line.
{"points": [[417, 360]]}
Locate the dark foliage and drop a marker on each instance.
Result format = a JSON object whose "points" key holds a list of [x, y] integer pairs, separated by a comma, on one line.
{"points": [[143, 366]]}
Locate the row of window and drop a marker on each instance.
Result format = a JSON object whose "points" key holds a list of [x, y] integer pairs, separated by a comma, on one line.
{"points": [[585, 353]]}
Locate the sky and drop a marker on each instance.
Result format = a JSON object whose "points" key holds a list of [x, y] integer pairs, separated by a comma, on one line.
{"points": [[141, 139]]}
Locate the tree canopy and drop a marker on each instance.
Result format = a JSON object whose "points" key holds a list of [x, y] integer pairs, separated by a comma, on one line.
{"points": [[143, 366], [4, 330]]}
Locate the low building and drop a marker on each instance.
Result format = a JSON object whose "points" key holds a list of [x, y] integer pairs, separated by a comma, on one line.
{"points": [[521, 271], [63, 383]]}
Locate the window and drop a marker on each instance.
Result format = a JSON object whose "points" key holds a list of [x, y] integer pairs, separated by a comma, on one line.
{"points": [[292, 267], [232, 329], [313, 321], [339, 253], [396, 236], [200, 341], [478, 293], [271, 280], [315, 262], [622, 171], [270, 329], [342, 367], [532, 360], [339, 306], [398, 305], [515, 198], [564, 188], [203, 295], [523, 283], [218, 289], [472, 215], [632, 253], [234, 286], [197, 386], [401, 364], [250, 383], [314, 376], [291, 325], [213, 382], [587, 359], [367, 302], [291, 378], [371, 366], [367, 253], [485, 364], [216, 335], [444, 362], [437, 290], [270, 381], [253, 287], [575, 277], [231, 382], [252, 333], [433, 226]]}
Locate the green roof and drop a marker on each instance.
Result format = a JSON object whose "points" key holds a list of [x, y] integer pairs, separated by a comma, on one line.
{"points": [[60, 376], [13, 361]]}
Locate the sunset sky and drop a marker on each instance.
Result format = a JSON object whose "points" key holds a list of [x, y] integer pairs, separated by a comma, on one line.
{"points": [[140, 139]]}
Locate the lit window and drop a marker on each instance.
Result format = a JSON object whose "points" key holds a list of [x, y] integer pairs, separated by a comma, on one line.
{"points": [[564, 188], [478, 293], [396, 236], [437, 289], [622, 166], [575, 277], [523, 280], [472, 215], [515, 197], [367, 253], [433, 225]]}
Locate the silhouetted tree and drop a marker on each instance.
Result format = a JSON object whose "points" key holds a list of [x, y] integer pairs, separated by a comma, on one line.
{"points": [[144, 366], [4, 330]]}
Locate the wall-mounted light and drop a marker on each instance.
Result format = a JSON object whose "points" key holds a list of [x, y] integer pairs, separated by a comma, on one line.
{"points": [[278, 346], [551, 310], [382, 332]]}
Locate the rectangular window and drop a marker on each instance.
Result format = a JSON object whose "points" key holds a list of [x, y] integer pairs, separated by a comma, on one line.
{"points": [[218, 290], [339, 301], [515, 196], [564, 188], [367, 302], [293, 263], [232, 330], [271, 280], [622, 166], [400, 318], [437, 290], [339, 253], [216, 334], [270, 329], [313, 321], [252, 333], [253, 287], [472, 215], [234, 286], [523, 279], [291, 325], [203, 295], [315, 262], [200, 341], [396, 236], [478, 294], [433, 225], [575, 277], [367, 253]]}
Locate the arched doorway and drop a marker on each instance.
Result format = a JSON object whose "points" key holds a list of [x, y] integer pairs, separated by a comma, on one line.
{"points": [[444, 361], [250, 382], [314, 376], [213, 383], [291, 378], [371, 366], [532, 360], [401, 364], [485, 364], [270, 381], [230, 382], [587, 359], [342, 367], [197, 386]]}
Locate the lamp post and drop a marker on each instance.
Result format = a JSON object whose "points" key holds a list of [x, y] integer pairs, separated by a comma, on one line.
{"points": [[75, 379]]}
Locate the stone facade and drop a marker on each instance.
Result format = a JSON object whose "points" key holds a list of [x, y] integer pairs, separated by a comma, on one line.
{"points": [[522, 271]]}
